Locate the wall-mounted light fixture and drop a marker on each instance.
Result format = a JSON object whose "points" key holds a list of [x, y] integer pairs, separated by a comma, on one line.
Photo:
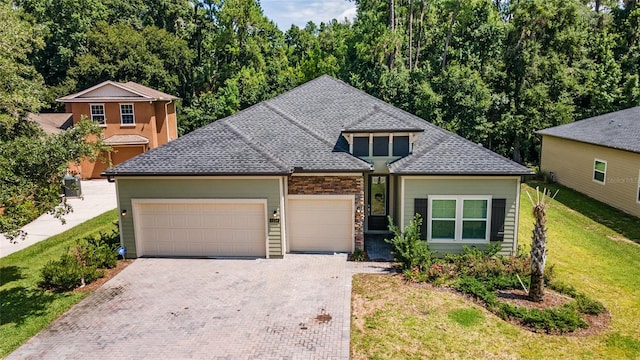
{"points": [[276, 213], [124, 212]]}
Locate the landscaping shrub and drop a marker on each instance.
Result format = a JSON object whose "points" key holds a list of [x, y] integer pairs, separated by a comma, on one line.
{"points": [[586, 305], [411, 252], [101, 250], [82, 264], [359, 255], [67, 273], [472, 286]]}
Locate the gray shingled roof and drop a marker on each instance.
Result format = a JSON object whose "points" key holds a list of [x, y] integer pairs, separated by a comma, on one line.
{"points": [[618, 130], [301, 131], [377, 120]]}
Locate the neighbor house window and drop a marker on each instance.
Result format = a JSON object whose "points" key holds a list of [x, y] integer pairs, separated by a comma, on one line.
{"points": [[599, 171], [400, 145], [380, 146], [638, 198], [459, 218], [126, 114], [361, 146], [97, 114]]}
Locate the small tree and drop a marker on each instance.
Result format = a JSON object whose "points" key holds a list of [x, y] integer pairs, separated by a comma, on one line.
{"points": [[539, 245]]}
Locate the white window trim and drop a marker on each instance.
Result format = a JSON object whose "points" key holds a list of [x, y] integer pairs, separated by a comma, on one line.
{"points": [[604, 181], [459, 219], [133, 114], [638, 194], [104, 115]]}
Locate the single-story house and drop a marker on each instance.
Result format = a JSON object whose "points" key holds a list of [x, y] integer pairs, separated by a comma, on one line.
{"points": [[314, 170], [598, 156]]}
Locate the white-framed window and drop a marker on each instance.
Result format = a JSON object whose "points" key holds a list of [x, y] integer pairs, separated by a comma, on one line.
{"points": [[600, 171], [126, 114], [97, 114], [638, 195], [459, 218]]}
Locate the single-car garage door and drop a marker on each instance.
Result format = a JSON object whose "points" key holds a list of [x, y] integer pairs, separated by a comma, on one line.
{"points": [[200, 227], [320, 223]]}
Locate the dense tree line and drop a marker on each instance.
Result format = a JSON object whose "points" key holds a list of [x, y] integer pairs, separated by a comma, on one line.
{"points": [[493, 71]]}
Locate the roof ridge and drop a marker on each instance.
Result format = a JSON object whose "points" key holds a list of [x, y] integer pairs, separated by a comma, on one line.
{"points": [[254, 144], [291, 119]]}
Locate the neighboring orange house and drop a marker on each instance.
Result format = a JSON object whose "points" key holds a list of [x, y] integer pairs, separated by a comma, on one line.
{"points": [[134, 118]]}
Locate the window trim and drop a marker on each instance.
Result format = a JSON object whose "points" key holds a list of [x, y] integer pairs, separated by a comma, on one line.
{"points": [[373, 148], [353, 151], [104, 115], [593, 175], [133, 115], [459, 219], [638, 194]]}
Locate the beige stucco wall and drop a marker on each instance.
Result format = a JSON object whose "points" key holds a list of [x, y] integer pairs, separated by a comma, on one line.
{"points": [[573, 162]]}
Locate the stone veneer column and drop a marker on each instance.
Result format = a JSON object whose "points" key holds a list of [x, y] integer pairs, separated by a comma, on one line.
{"points": [[334, 185]]}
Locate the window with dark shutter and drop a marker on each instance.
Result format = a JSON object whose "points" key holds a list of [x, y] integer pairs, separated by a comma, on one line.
{"points": [[420, 207], [498, 207]]}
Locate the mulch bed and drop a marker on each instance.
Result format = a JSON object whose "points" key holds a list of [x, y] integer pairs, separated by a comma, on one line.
{"points": [[109, 273], [518, 297]]}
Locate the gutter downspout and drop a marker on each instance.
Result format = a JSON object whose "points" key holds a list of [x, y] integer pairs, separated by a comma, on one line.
{"points": [[166, 118]]}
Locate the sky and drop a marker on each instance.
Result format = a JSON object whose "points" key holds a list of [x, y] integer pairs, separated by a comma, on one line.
{"points": [[287, 12]]}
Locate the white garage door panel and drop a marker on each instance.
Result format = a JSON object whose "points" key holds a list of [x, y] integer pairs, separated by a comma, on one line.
{"points": [[320, 223], [200, 229]]}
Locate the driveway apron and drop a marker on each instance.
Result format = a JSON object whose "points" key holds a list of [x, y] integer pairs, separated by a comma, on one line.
{"points": [[295, 308]]}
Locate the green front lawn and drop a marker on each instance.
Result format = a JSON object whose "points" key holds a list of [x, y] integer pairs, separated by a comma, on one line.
{"points": [[394, 319], [24, 308]]}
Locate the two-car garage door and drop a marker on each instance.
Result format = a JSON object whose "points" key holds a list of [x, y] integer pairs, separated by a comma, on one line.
{"points": [[200, 228]]}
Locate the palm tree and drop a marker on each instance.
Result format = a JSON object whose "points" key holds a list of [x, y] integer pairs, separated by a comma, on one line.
{"points": [[539, 245]]}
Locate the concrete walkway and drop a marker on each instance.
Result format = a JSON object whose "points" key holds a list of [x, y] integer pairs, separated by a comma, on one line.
{"points": [[295, 308], [98, 196]]}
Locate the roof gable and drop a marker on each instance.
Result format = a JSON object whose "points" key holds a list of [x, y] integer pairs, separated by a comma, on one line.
{"points": [[301, 131], [617, 130], [115, 91]]}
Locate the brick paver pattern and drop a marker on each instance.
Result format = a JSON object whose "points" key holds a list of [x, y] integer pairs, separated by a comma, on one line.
{"points": [[296, 308]]}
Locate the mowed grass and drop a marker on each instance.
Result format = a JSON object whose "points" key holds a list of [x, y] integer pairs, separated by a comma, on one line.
{"points": [[24, 308], [392, 319]]}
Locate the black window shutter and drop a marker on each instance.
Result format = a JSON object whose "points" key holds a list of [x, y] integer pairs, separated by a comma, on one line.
{"points": [[497, 219], [420, 207]]}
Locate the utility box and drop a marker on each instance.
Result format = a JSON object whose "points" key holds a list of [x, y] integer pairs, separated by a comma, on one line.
{"points": [[71, 186]]}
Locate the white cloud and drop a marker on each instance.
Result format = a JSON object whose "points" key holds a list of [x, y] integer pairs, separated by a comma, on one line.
{"points": [[287, 12]]}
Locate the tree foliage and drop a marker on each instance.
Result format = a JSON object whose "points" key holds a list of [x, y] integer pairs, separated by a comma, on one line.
{"points": [[493, 71]]}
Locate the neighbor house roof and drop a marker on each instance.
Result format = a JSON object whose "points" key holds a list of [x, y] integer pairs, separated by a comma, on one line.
{"points": [[127, 139], [53, 123], [617, 130], [301, 131], [112, 91]]}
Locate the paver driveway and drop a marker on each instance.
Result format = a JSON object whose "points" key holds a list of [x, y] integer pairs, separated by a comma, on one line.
{"points": [[296, 308]]}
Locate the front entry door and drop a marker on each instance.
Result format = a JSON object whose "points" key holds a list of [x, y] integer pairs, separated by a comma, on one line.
{"points": [[378, 202]]}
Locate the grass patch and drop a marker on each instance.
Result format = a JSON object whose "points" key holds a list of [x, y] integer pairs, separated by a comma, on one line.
{"points": [[24, 308], [466, 317], [585, 253]]}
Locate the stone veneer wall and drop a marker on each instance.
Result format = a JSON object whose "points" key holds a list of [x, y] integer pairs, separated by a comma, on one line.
{"points": [[334, 185]]}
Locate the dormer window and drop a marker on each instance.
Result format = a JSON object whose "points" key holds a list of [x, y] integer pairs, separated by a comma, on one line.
{"points": [[361, 146], [400, 146], [383, 145]]}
